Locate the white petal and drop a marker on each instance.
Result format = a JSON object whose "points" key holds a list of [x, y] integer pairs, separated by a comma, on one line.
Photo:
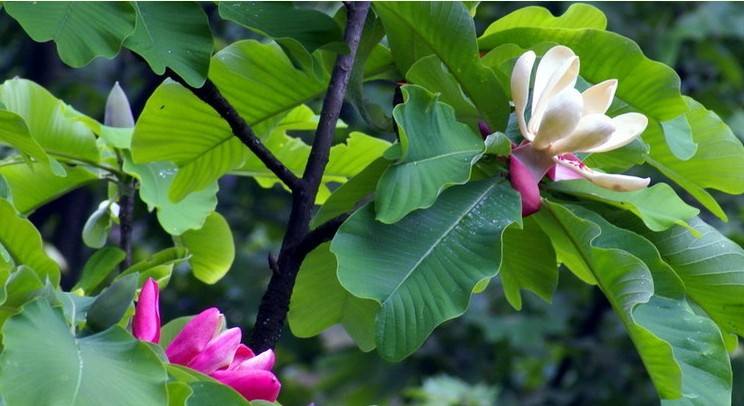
{"points": [[557, 71], [628, 127], [592, 130], [561, 117], [520, 89], [619, 183], [597, 99]]}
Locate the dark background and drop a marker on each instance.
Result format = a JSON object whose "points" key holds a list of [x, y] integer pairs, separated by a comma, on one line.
{"points": [[571, 352]]}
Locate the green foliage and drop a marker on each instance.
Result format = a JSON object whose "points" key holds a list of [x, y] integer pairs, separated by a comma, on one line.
{"points": [[98, 268], [174, 35], [211, 247], [32, 186], [110, 367], [436, 152], [110, 306], [81, 31], [20, 244], [427, 284]]}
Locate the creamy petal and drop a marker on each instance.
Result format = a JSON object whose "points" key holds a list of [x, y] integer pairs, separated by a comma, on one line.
{"points": [[557, 71], [628, 127], [592, 130], [520, 89], [561, 117], [619, 183], [597, 99]]}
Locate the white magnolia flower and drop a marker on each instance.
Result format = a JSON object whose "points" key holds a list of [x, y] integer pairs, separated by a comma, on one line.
{"points": [[563, 121]]}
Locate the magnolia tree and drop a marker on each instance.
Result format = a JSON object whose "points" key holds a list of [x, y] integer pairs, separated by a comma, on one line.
{"points": [[507, 161]]}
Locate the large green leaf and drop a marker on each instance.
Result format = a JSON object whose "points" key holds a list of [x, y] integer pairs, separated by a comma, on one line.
{"points": [[437, 151], [658, 206], [576, 16], [212, 248], [717, 164], [81, 30], [35, 185], [712, 268], [174, 35], [155, 180], [529, 263], [22, 242], [110, 367], [51, 122], [113, 302], [282, 21], [158, 266], [98, 268], [14, 132], [416, 30], [258, 79], [647, 86], [319, 301], [422, 270], [649, 300]]}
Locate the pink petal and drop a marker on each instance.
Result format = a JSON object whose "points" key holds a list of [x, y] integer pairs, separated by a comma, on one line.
{"points": [[218, 353], [243, 353], [194, 337], [525, 183], [264, 360], [560, 172], [253, 384], [146, 322]]}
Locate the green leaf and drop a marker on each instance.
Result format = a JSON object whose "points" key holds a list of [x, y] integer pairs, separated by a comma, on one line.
{"points": [[211, 393], [290, 26], [423, 269], [98, 268], [110, 367], [712, 268], [576, 16], [522, 269], [647, 86], [22, 242], [19, 287], [155, 181], [111, 305], [658, 206], [678, 136], [174, 35], [414, 30], [98, 226], [158, 265], [81, 30], [319, 301], [14, 132], [717, 164], [34, 185], [53, 124], [432, 74], [498, 144], [649, 300], [347, 196], [212, 249], [436, 152], [176, 126]]}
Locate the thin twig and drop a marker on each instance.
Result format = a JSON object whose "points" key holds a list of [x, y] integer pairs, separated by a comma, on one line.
{"points": [[320, 234], [210, 94], [126, 219]]}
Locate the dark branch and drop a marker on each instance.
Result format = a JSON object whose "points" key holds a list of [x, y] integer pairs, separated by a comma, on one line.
{"points": [[210, 94], [126, 219], [319, 235], [275, 303]]}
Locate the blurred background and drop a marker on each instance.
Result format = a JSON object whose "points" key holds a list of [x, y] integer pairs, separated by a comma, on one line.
{"points": [[573, 352]]}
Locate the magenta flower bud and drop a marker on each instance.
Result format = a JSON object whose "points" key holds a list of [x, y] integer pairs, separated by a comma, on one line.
{"points": [[194, 337], [218, 353], [485, 130], [146, 321], [118, 113], [524, 182], [264, 360], [253, 384]]}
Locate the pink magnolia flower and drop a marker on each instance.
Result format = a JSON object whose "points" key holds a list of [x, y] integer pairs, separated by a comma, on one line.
{"points": [[564, 121], [203, 347]]}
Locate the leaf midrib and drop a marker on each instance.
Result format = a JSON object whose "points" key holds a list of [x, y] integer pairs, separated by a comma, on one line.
{"points": [[438, 241]]}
